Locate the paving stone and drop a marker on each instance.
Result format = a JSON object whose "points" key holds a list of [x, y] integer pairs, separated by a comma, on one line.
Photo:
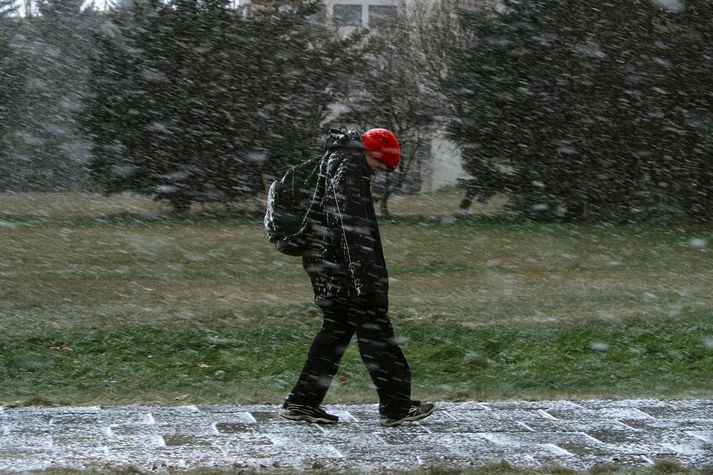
{"points": [[285, 454], [668, 424], [155, 409], [25, 442], [263, 416], [493, 421], [484, 446], [516, 460], [198, 428], [596, 404], [277, 427], [372, 459], [653, 442], [372, 417], [25, 418], [465, 406], [532, 405], [601, 414], [704, 435], [235, 417], [695, 403], [64, 443], [555, 425], [347, 440], [34, 410], [556, 443], [484, 425], [703, 462], [586, 461], [184, 457], [157, 457], [686, 412], [47, 430], [230, 409], [103, 418], [140, 442], [18, 460], [407, 439], [232, 442], [373, 427], [363, 414], [345, 416]]}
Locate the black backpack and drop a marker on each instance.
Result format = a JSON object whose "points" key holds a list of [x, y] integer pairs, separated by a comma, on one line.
{"points": [[294, 203]]}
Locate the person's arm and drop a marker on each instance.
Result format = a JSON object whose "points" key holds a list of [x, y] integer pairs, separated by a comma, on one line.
{"points": [[352, 198]]}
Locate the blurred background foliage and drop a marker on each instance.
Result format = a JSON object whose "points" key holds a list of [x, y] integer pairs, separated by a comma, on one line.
{"points": [[575, 111], [589, 111]]}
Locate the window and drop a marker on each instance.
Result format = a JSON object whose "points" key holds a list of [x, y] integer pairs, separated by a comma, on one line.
{"points": [[381, 14], [347, 15]]}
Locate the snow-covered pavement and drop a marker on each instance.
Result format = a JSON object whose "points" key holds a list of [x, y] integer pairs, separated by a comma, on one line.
{"points": [[575, 434]]}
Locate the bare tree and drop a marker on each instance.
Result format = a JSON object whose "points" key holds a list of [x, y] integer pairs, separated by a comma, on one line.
{"points": [[393, 92]]}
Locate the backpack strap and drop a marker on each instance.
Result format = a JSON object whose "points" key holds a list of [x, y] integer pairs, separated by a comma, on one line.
{"points": [[318, 195]]}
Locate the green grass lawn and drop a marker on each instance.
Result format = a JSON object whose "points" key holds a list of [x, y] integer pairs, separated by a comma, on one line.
{"points": [[108, 301]]}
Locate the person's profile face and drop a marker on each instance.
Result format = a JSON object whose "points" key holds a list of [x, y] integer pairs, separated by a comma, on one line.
{"points": [[376, 165]]}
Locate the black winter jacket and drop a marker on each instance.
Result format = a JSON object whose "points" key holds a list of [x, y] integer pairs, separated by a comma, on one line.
{"points": [[344, 257]]}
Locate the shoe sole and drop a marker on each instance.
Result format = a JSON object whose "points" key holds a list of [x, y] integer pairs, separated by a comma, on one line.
{"points": [[407, 419], [285, 414]]}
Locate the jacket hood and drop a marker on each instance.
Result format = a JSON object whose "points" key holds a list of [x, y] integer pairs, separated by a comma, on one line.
{"points": [[343, 139]]}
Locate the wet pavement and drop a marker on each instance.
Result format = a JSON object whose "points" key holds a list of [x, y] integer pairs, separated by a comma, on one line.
{"points": [[573, 434]]}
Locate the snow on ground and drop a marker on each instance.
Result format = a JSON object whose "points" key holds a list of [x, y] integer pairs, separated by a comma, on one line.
{"points": [[575, 434]]}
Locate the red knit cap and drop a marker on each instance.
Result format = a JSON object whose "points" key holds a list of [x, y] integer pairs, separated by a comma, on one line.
{"points": [[382, 144]]}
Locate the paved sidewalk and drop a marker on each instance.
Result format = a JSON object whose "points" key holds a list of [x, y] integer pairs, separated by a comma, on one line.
{"points": [[574, 434]]}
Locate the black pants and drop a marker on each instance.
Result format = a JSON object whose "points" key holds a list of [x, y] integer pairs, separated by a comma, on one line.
{"points": [[381, 354]]}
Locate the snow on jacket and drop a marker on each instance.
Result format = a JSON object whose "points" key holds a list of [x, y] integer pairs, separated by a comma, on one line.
{"points": [[345, 257]]}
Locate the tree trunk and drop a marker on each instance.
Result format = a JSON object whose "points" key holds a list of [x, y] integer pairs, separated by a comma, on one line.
{"points": [[384, 205], [180, 204], [467, 201]]}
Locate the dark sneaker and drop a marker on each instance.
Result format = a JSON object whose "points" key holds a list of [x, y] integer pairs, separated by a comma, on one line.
{"points": [[298, 412], [418, 411]]}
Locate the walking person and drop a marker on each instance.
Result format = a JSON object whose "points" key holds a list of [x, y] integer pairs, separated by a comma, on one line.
{"points": [[345, 262]]}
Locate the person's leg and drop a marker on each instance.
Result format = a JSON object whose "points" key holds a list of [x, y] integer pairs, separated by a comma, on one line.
{"points": [[383, 358], [323, 358]]}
